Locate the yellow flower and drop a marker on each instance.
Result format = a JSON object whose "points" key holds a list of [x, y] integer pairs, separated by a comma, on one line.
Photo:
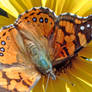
{"points": [[78, 78]]}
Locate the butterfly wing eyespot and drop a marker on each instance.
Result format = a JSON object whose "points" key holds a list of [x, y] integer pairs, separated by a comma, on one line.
{"points": [[7, 47], [11, 45], [42, 18]]}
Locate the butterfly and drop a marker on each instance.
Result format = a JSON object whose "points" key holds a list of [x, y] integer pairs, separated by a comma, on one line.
{"points": [[38, 43]]}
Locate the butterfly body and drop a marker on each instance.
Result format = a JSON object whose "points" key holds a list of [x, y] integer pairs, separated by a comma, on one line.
{"points": [[40, 59], [37, 43]]}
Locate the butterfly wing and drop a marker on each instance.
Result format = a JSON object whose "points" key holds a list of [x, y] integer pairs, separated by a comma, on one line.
{"points": [[42, 18], [17, 73], [8, 47], [19, 79], [72, 34]]}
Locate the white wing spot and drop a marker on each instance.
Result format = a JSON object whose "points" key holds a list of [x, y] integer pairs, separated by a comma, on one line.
{"points": [[88, 25], [82, 27]]}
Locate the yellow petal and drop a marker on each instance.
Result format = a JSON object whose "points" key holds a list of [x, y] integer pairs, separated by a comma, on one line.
{"points": [[80, 76], [51, 4], [15, 7], [43, 3], [72, 6], [90, 44], [75, 5], [26, 4], [83, 65], [18, 5], [66, 7], [36, 3], [85, 8], [53, 85], [7, 6], [87, 13], [59, 6], [67, 88], [40, 86], [5, 21], [79, 85], [82, 69], [55, 5], [86, 52]]}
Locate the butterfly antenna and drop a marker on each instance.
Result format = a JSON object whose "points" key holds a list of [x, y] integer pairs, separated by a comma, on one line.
{"points": [[73, 84], [47, 82]]}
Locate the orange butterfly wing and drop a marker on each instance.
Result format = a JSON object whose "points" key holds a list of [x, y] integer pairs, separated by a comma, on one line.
{"points": [[16, 73], [8, 48], [72, 34], [18, 79], [42, 18]]}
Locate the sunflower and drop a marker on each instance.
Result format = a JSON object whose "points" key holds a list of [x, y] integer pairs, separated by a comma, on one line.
{"points": [[78, 78]]}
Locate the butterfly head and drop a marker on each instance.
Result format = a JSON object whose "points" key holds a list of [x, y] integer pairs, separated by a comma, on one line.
{"points": [[46, 67]]}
